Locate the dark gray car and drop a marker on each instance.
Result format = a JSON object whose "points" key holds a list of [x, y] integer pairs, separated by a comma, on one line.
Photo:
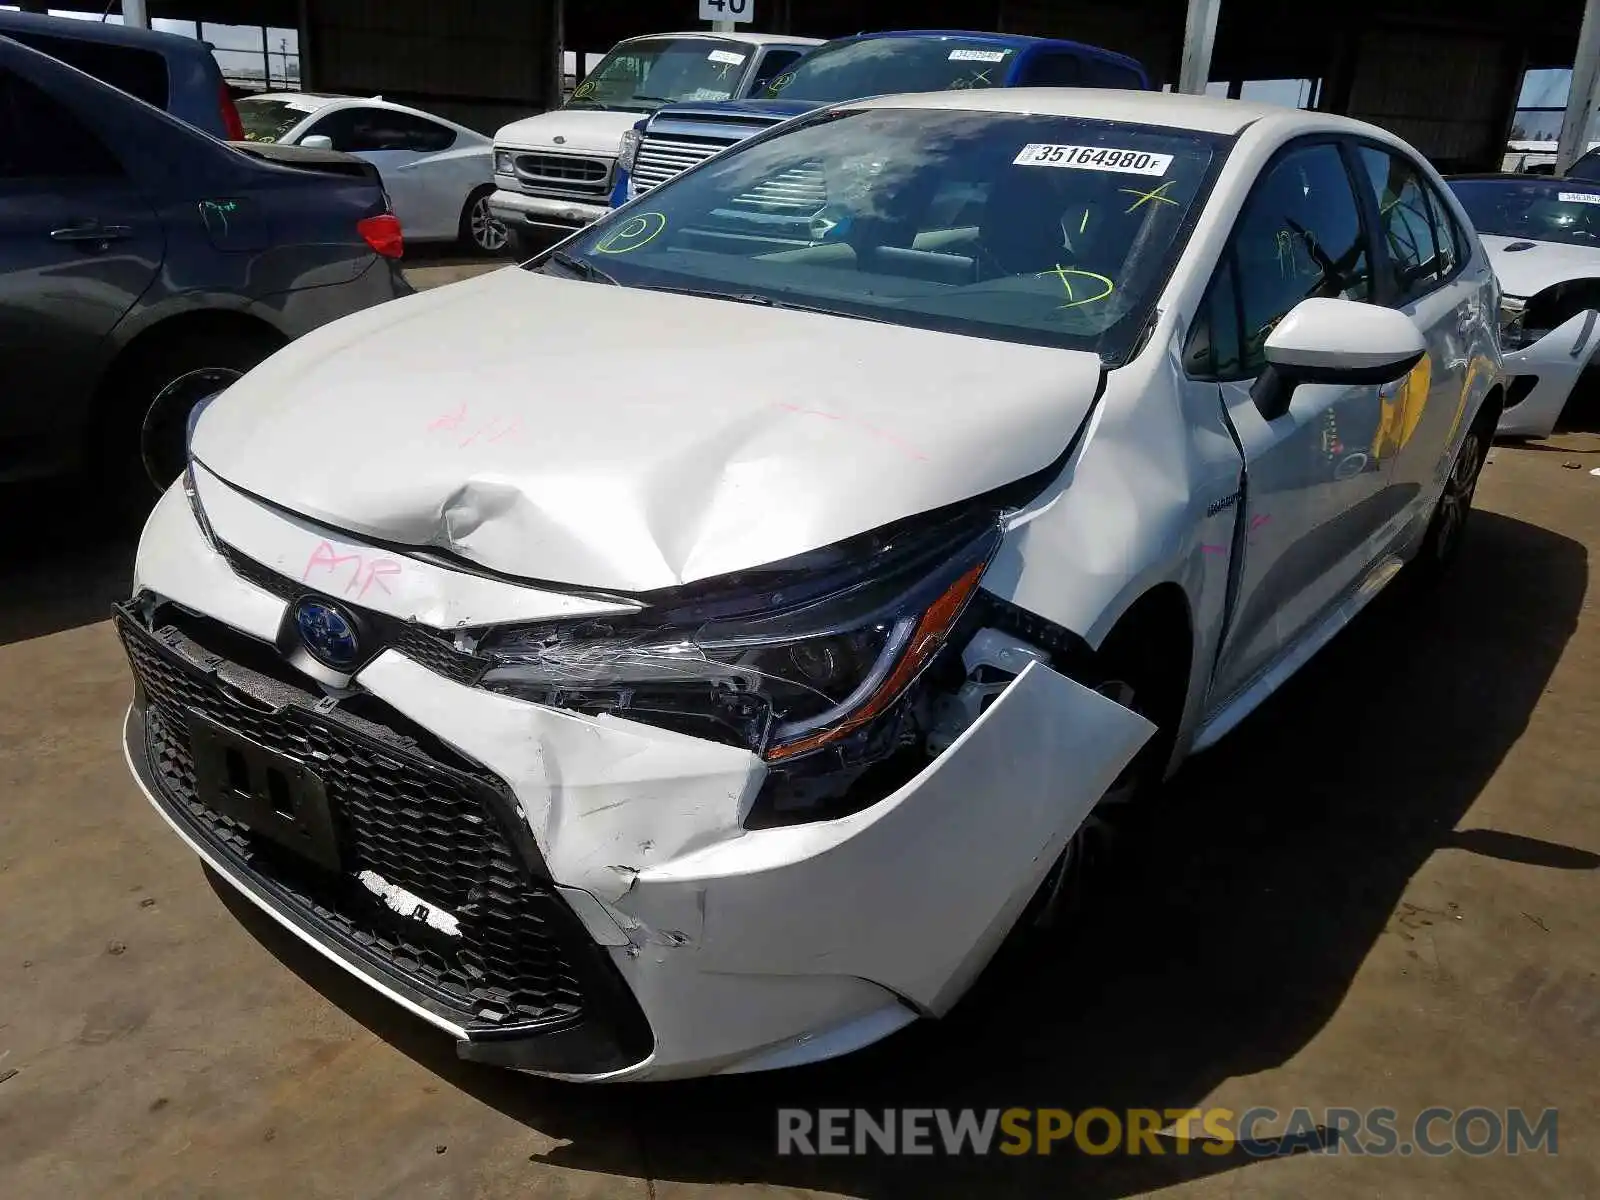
{"points": [[145, 264]]}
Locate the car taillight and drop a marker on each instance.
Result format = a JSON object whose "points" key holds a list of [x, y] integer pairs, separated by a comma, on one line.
{"points": [[230, 114], [382, 233]]}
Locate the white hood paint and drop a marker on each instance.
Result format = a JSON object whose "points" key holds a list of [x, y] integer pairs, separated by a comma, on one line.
{"points": [[1527, 272], [585, 130], [622, 439]]}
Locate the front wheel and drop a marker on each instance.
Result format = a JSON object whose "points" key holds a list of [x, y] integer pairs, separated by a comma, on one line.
{"points": [[481, 231]]}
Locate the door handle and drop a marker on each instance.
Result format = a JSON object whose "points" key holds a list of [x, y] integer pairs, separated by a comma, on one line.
{"points": [[91, 231]]}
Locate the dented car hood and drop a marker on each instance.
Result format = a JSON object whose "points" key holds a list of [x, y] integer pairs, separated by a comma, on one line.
{"points": [[1533, 266], [626, 440]]}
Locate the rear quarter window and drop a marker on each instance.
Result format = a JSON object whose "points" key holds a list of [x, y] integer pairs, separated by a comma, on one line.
{"points": [[1102, 74], [141, 73]]}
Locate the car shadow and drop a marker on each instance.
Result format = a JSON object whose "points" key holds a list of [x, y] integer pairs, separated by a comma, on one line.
{"points": [[1224, 943], [66, 555]]}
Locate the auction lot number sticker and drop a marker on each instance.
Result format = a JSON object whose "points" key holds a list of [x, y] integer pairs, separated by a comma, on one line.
{"points": [[1092, 158]]}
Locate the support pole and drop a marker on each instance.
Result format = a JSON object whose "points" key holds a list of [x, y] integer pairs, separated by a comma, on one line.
{"points": [[722, 27], [1581, 95], [135, 14], [1199, 34]]}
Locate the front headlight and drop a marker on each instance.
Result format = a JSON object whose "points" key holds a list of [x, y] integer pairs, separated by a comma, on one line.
{"points": [[782, 662], [502, 163]]}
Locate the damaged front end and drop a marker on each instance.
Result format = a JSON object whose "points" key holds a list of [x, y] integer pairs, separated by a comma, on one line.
{"points": [[1548, 340], [741, 823], [846, 670]]}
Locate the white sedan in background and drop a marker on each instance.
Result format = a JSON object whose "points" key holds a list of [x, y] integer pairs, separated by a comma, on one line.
{"points": [[1543, 237], [439, 175], [707, 727]]}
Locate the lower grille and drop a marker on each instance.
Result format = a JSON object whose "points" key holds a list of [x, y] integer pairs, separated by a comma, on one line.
{"points": [[440, 830]]}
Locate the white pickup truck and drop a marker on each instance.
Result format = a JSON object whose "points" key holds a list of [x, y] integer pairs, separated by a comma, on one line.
{"points": [[555, 171]]}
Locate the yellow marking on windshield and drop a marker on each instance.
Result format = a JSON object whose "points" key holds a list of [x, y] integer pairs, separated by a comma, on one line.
{"points": [[1066, 274], [1155, 194], [636, 231]]}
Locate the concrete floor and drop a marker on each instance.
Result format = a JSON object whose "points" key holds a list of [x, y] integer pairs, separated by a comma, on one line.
{"points": [[1381, 890]]}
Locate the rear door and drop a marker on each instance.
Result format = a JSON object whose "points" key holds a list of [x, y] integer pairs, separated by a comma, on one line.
{"points": [[1421, 274], [79, 244], [1313, 493]]}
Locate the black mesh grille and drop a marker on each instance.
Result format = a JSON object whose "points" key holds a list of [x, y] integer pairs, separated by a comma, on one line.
{"points": [[428, 647], [427, 825]]}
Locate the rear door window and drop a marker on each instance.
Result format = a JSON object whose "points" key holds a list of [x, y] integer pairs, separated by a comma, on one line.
{"points": [[141, 73], [42, 140], [1422, 241], [354, 130]]}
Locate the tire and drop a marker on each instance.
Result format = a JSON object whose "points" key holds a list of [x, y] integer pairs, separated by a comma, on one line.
{"points": [[481, 232], [1447, 527], [1137, 670], [144, 446]]}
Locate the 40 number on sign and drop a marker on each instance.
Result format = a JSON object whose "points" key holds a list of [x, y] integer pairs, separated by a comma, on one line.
{"points": [[740, 12]]}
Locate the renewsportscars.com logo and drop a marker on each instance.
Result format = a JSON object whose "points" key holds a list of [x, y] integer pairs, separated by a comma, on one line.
{"points": [[1259, 1132]]}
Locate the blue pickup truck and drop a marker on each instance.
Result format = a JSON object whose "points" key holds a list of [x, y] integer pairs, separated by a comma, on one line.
{"points": [[677, 136]]}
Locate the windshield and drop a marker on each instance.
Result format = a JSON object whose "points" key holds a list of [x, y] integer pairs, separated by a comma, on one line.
{"points": [[881, 66], [267, 120], [1050, 230], [644, 74], [1541, 210]]}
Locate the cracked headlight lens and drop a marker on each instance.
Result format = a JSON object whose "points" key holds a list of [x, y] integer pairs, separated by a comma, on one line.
{"points": [[780, 669]]}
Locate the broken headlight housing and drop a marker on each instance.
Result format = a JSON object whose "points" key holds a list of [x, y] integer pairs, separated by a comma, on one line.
{"points": [[1512, 312], [782, 660]]}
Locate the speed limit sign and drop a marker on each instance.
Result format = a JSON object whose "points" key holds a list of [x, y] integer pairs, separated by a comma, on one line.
{"points": [[740, 12]]}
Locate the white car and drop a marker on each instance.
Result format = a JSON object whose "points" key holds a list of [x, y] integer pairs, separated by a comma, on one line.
{"points": [[1543, 238], [439, 175], [695, 651], [556, 171]]}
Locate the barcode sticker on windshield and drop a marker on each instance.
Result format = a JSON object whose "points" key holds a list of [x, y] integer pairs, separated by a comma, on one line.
{"points": [[978, 55], [1092, 158], [726, 56], [1579, 197]]}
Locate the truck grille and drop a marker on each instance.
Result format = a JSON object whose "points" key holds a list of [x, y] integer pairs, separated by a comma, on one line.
{"points": [[436, 828], [658, 158], [564, 174]]}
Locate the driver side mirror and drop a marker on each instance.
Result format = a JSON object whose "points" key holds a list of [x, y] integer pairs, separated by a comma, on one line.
{"points": [[1325, 340], [317, 141]]}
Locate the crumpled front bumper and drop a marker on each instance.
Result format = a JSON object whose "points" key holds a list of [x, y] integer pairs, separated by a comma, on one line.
{"points": [[742, 949], [1554, 363]]}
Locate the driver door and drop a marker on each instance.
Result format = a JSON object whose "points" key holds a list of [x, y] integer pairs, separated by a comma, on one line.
{"points": [[1312, 521]]}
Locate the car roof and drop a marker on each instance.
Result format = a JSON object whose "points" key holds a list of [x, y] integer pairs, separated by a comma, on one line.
{"points": [[314, 102], [752, 39], [1206, 114], [171, 44]]}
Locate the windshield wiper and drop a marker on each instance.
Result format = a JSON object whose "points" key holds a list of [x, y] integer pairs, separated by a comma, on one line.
{"points": [[763, 301], [580, 268]]}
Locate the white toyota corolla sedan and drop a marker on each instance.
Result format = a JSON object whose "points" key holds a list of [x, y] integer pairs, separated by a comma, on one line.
{"points": [[695, 651], [1543, 239]]}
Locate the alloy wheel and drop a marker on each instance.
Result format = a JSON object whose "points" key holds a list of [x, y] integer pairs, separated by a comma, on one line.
{"points": [[1456, 499], [488, 233]]}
